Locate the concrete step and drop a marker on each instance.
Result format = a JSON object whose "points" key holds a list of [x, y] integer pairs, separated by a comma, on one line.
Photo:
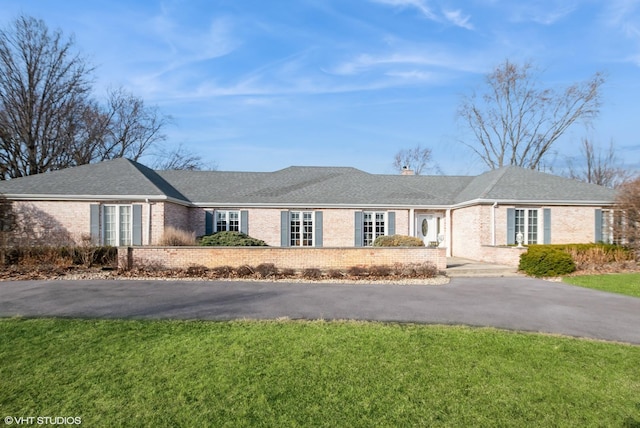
{"points": [[459, 267], [487, 273]]}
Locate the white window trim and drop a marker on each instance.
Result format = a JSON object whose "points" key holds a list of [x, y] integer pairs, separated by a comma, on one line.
{"points": [[117, 224], [227, 212], [373, 217], [313, 229], [525, 232]]}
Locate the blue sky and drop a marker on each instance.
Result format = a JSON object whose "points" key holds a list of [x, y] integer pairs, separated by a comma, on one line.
{"points": [[261, 85]]}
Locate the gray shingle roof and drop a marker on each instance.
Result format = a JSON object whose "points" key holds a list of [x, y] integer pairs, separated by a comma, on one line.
{"points": [[516, 183], [117, 177], [310, 186]]}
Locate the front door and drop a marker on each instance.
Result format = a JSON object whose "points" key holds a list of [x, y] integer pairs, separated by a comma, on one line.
{"points": [[427, 229]]}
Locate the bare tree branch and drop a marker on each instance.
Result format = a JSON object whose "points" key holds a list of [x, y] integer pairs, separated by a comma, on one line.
{"points": [[597, 167], [416, 159], [180, 158], [626, 225], [48, 120], [515, 122], [42, 85]]}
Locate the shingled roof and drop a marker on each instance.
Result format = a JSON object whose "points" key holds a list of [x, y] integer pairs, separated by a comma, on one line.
{"points": [[308, 186], [110, 179]]}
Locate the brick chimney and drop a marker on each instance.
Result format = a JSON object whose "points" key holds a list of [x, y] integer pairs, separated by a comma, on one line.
{"points": [[407, 171]]}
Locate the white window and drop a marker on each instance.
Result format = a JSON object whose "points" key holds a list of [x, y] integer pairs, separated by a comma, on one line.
{"points": [[118, 225], [526, 222], [301, 228], [374, 225], [227, 221], [613, 227]]}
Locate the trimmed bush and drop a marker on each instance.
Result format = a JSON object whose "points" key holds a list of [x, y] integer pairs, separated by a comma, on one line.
{"points": [[231, 239], [380, 270], [311, 273], [358, 271], [541, 261], [266, 270], [398, 241]]}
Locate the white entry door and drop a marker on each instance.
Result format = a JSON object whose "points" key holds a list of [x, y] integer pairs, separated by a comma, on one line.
{"points": [[427, 229]]}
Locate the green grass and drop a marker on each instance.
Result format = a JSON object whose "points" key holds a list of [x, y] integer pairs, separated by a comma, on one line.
{"points": [[333, 374], [621, 283]]}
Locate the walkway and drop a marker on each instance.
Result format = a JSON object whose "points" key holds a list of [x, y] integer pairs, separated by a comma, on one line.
{"points": [[459, 267], [509, 303]]}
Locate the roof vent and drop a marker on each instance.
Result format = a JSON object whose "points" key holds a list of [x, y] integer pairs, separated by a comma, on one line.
{"points": [[407, 171]]}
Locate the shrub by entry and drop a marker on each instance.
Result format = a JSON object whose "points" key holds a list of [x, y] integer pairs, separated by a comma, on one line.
{"points": [[398, 241], [546, 261], [231, 239]]}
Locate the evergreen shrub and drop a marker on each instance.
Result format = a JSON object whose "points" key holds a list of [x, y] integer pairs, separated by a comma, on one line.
{"points": [[231, 239], [545, 260], [398, 241]]}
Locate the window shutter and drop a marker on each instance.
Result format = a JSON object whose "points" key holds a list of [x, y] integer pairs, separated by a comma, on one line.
{"points": [[511, 226], [244, 222], [546, 214], [391, 219], [94, 220], [318, 228], [137, 225], [358, 229], [284, 228], [208, 222], [598, 234]]}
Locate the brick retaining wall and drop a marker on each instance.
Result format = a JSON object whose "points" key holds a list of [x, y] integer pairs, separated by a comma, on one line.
{"points": [[293, 258]]}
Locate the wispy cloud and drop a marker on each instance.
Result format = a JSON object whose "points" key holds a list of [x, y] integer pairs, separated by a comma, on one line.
{"points": [[454, 17], [623, 16], [366, 62], [457, 18], [546, 12]]}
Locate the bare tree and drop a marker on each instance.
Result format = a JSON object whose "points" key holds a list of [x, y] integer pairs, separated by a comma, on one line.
{"points": [[48, 120], [132, 127], [43, 85], [7, 225], [416, 159], [598, 167], [626, 225], [179, 158], [516, 122]]}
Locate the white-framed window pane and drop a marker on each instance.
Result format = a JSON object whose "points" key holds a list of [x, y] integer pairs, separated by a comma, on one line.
{"points": [[234, 221], [372, 227], [532, 227], [379, 225], [125, 225], [367, 229], [519, 223], [295, 229], [301, 228], [221, 221], [110, 225], [227, 221], [307, 229]]}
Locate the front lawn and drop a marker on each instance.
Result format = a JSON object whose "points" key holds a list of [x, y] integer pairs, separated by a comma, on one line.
{"points": [[334, 374], [621, 283]]}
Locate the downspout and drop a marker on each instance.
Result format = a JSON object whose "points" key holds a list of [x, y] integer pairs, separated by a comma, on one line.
{"points": [[493, 223], [449, 227], [148, 221], [412, 222]]}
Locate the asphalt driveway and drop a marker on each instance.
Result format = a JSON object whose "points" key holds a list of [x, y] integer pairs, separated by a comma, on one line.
{"points": [[510, 303]]}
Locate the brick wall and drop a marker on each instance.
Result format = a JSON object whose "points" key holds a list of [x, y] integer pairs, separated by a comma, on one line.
{"points": [[570, 225], [55, 222], [264, 223], [294, 258]]}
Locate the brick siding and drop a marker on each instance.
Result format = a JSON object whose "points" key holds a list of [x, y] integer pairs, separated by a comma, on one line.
{"points": [[294, 258]]}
